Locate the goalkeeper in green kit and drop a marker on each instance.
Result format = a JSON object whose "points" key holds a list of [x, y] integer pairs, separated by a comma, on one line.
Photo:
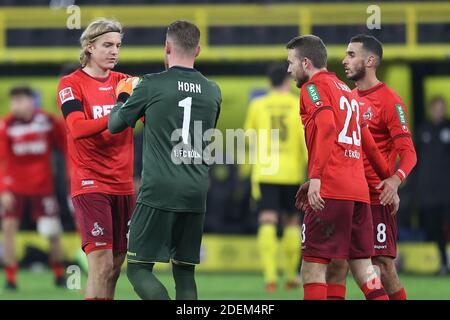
{"points": [[179, 105]]}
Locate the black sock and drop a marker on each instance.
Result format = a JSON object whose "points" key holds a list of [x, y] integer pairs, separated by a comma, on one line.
{"points": [[144, 282], [185, 286]]}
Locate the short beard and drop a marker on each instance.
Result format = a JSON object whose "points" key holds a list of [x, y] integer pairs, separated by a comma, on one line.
{"points": [[360, 72], [301, 81]]}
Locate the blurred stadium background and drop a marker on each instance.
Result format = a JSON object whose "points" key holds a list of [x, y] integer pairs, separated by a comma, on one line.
{"points": [[239, 40]]}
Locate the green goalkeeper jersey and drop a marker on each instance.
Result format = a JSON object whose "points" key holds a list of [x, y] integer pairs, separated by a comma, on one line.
{"points": [[179, 105]]}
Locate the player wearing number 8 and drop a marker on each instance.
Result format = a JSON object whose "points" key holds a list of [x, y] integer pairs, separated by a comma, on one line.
{"points": [[167, 223], [386, 114], [339, 224]]}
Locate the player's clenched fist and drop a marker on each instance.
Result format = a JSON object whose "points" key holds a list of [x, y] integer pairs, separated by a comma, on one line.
{"points": [[125, 88]]}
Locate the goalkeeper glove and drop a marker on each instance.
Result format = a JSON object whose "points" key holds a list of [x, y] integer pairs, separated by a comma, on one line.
{"points": [[125, 88]]}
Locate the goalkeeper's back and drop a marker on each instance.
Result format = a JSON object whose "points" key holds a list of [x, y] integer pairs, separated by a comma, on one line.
{"points": [[179, 105]]}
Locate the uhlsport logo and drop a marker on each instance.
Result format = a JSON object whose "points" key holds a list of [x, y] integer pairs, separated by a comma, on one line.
{"points": [[97, 230], [85, 183]]}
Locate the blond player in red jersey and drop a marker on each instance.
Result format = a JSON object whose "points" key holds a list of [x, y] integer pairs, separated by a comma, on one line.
{"points": [[386, 115], [339, 226], [101, 165]]}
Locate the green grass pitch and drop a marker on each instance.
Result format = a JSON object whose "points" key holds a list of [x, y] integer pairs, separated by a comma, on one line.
{"points": [[213, 286]]}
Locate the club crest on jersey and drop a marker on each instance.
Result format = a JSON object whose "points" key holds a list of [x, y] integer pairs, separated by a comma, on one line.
{"points": [[405, 128], [97, 230], [66, 94], [368, 115]]}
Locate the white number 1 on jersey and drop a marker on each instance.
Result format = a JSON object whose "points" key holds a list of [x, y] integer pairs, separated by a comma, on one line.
{"points": [[186, 104]]}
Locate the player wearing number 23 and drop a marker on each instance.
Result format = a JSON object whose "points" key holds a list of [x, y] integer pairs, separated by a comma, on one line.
{"points": [[339, 224]]}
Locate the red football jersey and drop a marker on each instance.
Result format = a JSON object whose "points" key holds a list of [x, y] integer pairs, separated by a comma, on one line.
{"points": [[343, 175], [386, 115], [26, 153], [102, 162]]}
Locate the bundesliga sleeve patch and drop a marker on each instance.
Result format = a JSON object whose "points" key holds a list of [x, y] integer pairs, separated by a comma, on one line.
{"points": [[401, 113], [66, 94], [314, 94]]}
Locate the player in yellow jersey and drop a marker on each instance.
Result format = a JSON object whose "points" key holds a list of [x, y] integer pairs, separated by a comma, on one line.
{"points": [[276, 175]]}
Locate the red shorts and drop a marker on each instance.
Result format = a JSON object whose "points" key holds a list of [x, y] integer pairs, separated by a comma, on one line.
{"points": [[342, 230], [40, 206], [384, 231], [103, 220]]}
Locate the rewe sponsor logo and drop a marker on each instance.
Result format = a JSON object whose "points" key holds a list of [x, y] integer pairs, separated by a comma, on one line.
{"points": [[101, 111]]}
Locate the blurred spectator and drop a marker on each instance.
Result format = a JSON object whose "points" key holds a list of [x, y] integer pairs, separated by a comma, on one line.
{"points": [[27, 139], [433, 182]]}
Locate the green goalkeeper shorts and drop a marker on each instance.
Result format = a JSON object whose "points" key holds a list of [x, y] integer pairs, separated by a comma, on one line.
{"points": [[160, 236]]}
